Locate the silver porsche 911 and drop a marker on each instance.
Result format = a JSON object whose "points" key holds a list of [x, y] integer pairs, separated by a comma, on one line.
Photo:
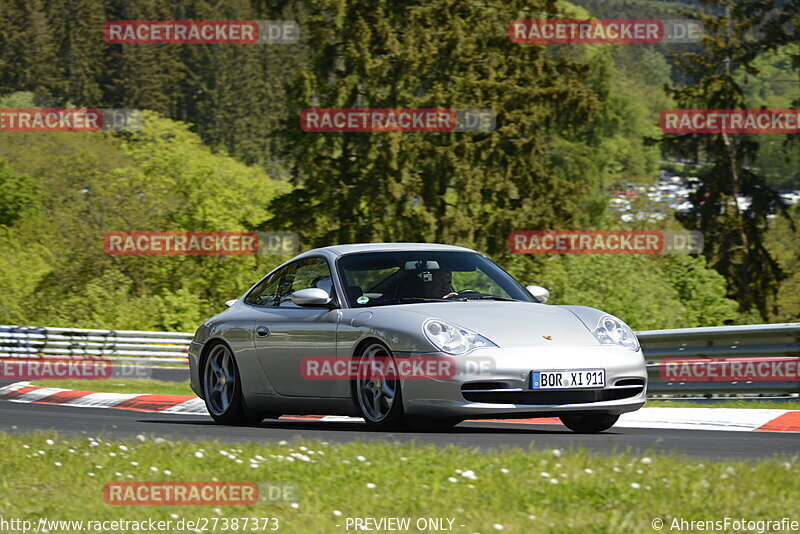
{"points": [[412, 334]]}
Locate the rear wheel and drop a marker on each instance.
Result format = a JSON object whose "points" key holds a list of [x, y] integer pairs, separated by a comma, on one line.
{"points": [[378, 396], [222, 388], [589, 424]]}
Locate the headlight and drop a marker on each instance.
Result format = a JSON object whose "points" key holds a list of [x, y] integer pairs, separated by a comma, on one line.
{"points": [[453, 339], [612, 331]]}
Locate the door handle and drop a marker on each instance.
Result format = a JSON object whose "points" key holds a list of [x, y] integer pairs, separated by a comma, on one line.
{"points": [[262, 331]]}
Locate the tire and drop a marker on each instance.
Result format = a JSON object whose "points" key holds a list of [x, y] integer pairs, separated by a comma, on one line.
{"points": [[222, 388], [589, 424], [378, 400]]}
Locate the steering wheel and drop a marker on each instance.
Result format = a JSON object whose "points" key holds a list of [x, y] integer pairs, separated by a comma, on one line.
{"points": [[450, 295]]}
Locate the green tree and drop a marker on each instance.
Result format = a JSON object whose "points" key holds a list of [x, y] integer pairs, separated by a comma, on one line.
{"points": [[734, 235]]}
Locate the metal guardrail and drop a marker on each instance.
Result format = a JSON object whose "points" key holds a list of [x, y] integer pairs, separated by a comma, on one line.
{"points": [[709, 347], [122, 345], [770, 349]]}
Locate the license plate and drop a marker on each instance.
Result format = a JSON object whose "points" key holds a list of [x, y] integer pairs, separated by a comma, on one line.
{"points": [[568, 379]]}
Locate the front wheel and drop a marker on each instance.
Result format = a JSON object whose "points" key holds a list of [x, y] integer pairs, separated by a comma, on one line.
{"points": [[222, 389], [589, 424], [378, 396]]}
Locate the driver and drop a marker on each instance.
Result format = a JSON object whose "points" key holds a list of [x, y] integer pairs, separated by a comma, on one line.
{"points": [[440, 284]]}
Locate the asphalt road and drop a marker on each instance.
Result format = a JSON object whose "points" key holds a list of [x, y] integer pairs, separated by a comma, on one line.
{"points": [[19, 417]]}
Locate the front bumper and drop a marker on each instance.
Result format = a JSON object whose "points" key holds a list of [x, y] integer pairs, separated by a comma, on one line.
{"points": [[494, 382]]}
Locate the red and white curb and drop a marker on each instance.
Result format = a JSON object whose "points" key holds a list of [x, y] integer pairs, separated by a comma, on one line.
{"points": [[731, 419]]}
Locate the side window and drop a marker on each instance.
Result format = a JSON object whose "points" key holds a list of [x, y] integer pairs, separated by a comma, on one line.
{"points": [[313, 272], [266, 292]]}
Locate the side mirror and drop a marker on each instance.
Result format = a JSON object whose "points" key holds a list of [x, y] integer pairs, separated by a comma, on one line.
{"points": [[312, 296], [539, 293], [231, 302]]}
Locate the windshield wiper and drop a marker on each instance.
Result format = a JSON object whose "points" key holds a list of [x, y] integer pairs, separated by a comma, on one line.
{"points": [[487, 297], [408, 300]]}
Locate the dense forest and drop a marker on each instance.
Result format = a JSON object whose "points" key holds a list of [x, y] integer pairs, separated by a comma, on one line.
{"points": [[221, 148]]}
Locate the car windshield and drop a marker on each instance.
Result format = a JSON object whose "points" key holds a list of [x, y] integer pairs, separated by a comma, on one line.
{"points": [[381, 278]]}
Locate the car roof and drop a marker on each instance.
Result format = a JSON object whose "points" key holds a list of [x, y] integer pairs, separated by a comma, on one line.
{"points": [[341, 250]]}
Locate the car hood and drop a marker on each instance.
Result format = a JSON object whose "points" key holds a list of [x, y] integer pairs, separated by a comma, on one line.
{"points": [[511, 324]]}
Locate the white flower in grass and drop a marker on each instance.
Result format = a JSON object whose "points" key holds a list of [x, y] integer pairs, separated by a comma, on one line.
{"points": [[556, 453], [470, 474], [617, 469], [198, 454], [57, 464], [239, 461], [174, 516], [123, 448], [636, 485], [141, 438], [303, 449], [452, 479], [504, 470], [167, 472], [154, 469], [544, 474], [532, 517], [295, 505], [90, 474], [134, 464], [282, 443], [370, 485], [647, 460], [112, 454], [361, 459], [337, 513], [26, 446], [49, 441], [159, 441], [218, 511], [588, 471], [498, 526], [224, 453], [553, 481], [41, 452], [117, 474]]}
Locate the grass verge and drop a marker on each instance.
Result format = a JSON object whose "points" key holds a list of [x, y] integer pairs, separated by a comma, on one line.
{"points": [[62, 477]]}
